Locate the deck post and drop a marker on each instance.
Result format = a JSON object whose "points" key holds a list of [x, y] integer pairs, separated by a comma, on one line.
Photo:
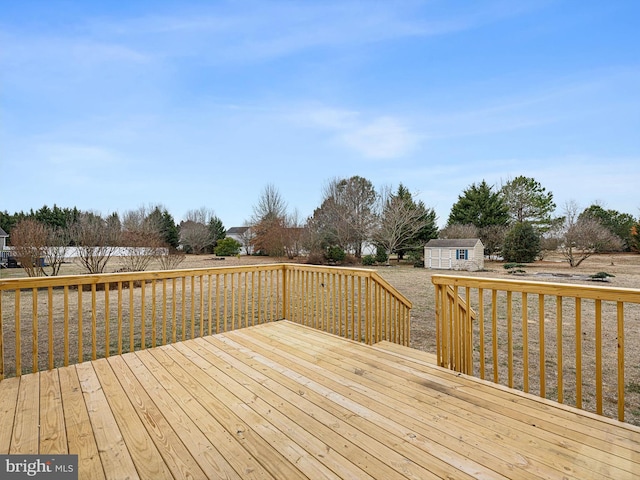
{"points": [[285, 296]]}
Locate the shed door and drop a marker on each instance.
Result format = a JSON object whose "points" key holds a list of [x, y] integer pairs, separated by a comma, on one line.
{"points": [[439, 258]]}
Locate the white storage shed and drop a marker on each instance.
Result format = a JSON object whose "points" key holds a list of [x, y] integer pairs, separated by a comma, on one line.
{"points": [[454, 254]]}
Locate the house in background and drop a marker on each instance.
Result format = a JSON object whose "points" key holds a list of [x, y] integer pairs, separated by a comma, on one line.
{"points": [[454, 254], [242, 235], [4, 253]]}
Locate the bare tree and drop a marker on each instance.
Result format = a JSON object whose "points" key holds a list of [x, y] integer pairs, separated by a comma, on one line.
{"points": [[141, 240], [195, 234], [56, 249], [492, 237], [348, 210], [400, 222], [96, 240], [585, 236], [247, 238], [170, 258], [269, 221], [270, 205], [293, 235], [38, 246], [29, 239]]}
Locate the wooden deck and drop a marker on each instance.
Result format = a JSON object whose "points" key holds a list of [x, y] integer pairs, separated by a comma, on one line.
{"points": [[284, 401]]}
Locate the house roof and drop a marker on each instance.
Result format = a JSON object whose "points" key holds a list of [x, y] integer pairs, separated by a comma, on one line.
{"points": [[237, 230], [452, 242], [3, 233]]}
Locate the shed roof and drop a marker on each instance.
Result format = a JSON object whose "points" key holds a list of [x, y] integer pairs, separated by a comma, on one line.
{"points": [[3, 233], [452, 242]]}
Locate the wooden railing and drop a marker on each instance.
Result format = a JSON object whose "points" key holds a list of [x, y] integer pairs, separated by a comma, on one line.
{"points": [[462, 318], [54, 321], [535, 335], [352, 303]]}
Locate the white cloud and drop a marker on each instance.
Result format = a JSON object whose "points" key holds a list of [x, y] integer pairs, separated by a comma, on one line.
{"points": [[377, 137], [266, 30], [382, 137]]}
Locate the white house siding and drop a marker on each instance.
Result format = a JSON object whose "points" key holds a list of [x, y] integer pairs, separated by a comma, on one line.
{"points": [[73, 252]]}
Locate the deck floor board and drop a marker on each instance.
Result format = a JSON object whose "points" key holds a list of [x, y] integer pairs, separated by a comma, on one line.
{"points": [[281, 400]]}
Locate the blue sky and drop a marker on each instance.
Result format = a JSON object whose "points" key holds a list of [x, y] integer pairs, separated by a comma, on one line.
{"points": [[109, 106]]}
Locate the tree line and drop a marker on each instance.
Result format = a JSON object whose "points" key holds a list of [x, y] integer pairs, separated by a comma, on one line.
{"points": [[41, 240], [517, 222], [352, 217], [354, 222]]}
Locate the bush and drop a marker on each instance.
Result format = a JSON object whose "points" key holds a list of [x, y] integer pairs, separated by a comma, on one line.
{"points": [[601, 277], [510, 265], [368, 260], [415, 258], [228, 247], [336, 254], [381, 255]]}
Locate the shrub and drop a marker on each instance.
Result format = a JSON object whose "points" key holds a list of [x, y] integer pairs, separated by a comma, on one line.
{"points": [[510, 265], [227, 247], [381, 255], [601, 277], [368, 260], [335, 254], [415, 257]]}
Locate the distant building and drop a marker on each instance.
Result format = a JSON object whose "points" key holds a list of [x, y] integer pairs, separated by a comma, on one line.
{"points": [[242, 235], [4, 253], [454, 254]]}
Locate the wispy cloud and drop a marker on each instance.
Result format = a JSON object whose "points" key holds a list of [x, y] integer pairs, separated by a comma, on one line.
{"points": [[370, 136], [267, 30], [382, 137]]}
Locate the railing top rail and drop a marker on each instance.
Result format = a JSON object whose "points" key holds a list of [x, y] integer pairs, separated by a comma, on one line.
{"points": [[355, 271], [593, 292], [365, 272], [88, 279]]}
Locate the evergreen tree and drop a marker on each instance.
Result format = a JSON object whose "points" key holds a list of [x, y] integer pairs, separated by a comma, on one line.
{"points": [[166, 226], [528, 201], [521, 244], [218, 232], [227, 247], [479, 205], [617, 223], [7, 222]]}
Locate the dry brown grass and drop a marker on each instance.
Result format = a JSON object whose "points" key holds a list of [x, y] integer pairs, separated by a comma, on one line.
{"points": [[415, 284]]}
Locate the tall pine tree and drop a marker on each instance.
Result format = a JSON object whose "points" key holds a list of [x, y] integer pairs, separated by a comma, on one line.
{"points": [[479, 205]]}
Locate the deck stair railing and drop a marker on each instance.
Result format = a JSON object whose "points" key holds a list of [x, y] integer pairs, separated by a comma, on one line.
{"points": [[564, 342], [55, 321], [462, 317]]}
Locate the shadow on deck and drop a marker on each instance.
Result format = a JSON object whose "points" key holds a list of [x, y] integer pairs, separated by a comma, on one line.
{"points": [[285, 401]]}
